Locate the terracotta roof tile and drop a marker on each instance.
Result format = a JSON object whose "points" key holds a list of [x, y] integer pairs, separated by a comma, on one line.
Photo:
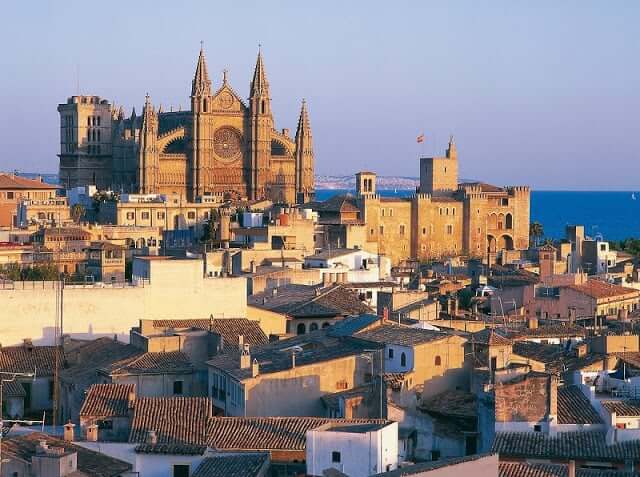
{"points": [[228, 328], [236, 465], [10, 181], [172, 449], [525, 469], [548, 331], [13, 389], [27, 358], [584, 445], [268, 433], [599, 289], [574, 407], [489, 337], [90, 463], [627, 408], [151, 363], [108, 400], [176, 420], [401, 335]]}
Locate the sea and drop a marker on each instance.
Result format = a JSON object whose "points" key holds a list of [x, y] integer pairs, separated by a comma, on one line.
{"points": [[606, 215]]}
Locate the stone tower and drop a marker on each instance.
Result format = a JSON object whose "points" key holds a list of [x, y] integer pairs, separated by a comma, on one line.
{"points": [[261, 124], [305, 179], [365, 184], [148, 162], [439, 175], [201, 128]]}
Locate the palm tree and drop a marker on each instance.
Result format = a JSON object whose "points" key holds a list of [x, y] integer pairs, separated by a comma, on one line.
{"points": [[77, 212], [536, 232]]}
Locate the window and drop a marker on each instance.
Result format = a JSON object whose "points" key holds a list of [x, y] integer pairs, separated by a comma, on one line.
{"points": [[449, 229], [390, 353], [335, 457], [161, 215], [191, 215], [382, 230], [403, 359], [301, 328], [438, 361], [177, 387], [453, 211], [424, 231], [130, 215], [537, 428], [313, 327], [382, 211], [603, 247], [51, 389], [98, 120], [402, 230], [342, 385], [145, 215], [390, 212], [9, 195], [505, 201], [435, 454], [180, 470], [105, 424]]}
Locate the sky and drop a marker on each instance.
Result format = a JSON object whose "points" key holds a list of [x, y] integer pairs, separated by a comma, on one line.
{"points": [[543, 93]]}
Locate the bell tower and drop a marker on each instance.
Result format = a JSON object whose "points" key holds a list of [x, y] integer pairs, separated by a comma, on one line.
{"points": [[148, 161], [305, 178], [201, 128], [261, 122]]}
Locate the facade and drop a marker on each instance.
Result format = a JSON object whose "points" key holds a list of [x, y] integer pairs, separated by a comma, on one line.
{"points": [[14, 189], [444, 218], [222, 145]]}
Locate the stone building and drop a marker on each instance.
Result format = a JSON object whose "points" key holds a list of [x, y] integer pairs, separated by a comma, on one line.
{"points": [[444, 217], [222, 145]]}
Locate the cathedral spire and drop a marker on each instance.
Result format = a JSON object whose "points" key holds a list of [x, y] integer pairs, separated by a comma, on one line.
{"points": [[201, 85], [259, 84], [303, 121]]}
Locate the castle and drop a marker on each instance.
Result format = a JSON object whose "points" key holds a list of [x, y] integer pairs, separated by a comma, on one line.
{"points": [[444, 217], [222, 146]]}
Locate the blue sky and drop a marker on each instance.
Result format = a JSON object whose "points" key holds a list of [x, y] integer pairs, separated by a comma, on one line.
{"points": [[543, 93]]}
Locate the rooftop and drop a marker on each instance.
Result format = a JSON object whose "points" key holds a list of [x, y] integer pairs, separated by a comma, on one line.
{"points": [[526, 469], [151, 363], [237, 465], [310, 300], [574, 407], [310, 349], [229, 328], [12, 181], [554, 357], [548, 331], [490, 337], [401, 335], [583, 445], [90, 463], [108, 400], [626, 408], [28, 358], [425, 467], [599, 289], [333, 253]]}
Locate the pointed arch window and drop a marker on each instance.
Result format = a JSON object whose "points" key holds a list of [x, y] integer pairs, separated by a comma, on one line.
{"points": [[403, 359], [263, 106]]}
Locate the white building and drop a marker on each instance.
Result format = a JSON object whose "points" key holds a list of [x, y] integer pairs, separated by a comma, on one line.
{"points": [[357, 450], [349, 265]]}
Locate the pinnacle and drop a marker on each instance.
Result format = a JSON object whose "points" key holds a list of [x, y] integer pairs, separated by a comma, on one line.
{"points": [[201, 85], [259, 84]]}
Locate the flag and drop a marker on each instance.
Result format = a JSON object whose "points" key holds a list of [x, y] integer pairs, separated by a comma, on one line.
{"points": [[420, 138]]}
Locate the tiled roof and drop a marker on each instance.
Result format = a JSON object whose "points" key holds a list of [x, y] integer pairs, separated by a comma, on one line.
{"points": [[228, 328], [29, 358], [90, 463], [484, 187], [337, 203], [554, 357], [152, 363], [587, 445], [236, 465], [11, 181], [599, 289], [267, 433], [630, 357], [524, 469], [425, 467], [172, 449], [574, 407], [13, 389], [107, 400], [401, 335], [310, 301], [452, 403], [548, 331], [310, 348], [489, 337], [176, 420], [627, 408], [352, 324]]}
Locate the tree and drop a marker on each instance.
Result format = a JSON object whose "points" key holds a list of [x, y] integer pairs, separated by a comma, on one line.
{"points": [[210, 228], [536, 232], [77, 212]]}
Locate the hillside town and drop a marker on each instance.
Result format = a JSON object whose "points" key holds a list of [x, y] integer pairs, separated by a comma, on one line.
{"points": [[186, 307]]}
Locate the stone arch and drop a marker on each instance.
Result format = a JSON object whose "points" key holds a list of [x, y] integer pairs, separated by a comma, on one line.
{"points": [[505, 242], [500, 221], [165, 139], [313, 327], [279, 148], [140, 243], [492, 245], [326, 324], [301, 329], [177, 145]]}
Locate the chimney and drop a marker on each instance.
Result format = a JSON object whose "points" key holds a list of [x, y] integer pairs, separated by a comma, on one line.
{"points": [[385, 314], [28, 343], [240, 343], [92, 433], [553, 400], [152, 438], [581, 350], [571, 469], [255, 368], [245, 357], [252, 266], [42, 447], [293, 360], [326, 279], [274, 291], [572, 315], [532, 323], [131, 398], [68, 431]]}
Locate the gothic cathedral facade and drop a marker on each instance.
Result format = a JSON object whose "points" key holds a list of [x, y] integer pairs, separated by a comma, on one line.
{"points": [[222, 146]]}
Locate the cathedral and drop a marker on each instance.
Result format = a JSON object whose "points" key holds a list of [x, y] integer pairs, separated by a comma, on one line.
{"points": [[222, 146]]}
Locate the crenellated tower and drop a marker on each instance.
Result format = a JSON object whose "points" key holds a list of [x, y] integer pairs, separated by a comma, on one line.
{"points": [[305, 177], [149, 158], [201, 128], [261, 125]]}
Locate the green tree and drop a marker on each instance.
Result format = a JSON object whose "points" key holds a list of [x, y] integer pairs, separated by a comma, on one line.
{"points": [[210, 228], [536, 232]]}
